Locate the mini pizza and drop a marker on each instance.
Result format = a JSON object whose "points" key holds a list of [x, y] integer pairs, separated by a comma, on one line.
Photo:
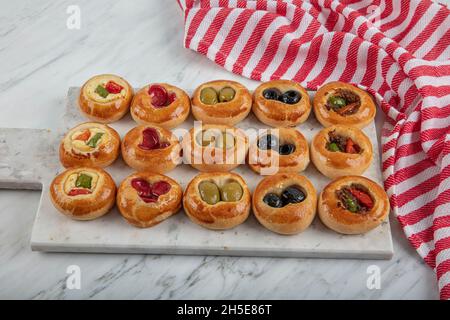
{"points": [[285, 203], [342, 103], [89, 144], [217, 200], [151, 148], [221, 102], [83, 193], [145, 199], [160, 104], [211, 148], [339, 150], [353, 205], [279, 150], [281, 103], [105, 98]]}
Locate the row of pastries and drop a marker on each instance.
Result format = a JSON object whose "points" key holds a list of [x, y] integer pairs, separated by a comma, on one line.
{"points": [[279, 103], [284, 202]]}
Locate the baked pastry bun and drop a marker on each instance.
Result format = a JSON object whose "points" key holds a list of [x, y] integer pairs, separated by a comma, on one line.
{"points": [[83, 193], [89, 144], [279, 150], [337, 151], [342, 103], [285, 203], [151, 148], [217, 200], [105, 98], [281, 103], [160, 104], [221, 102], [353, 205], [145, 199], [211, 148]]}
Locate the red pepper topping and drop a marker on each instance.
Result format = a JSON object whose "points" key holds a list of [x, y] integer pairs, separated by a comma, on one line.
{"points": [[147, 192], [362, 197], [113, 87], [84, 136], [159, 96], [76, 192], [350, 147], [150, 139]]}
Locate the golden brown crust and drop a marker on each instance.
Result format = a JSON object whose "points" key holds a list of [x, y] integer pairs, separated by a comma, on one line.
{"points": [[210, 158], [292, 218], [343, 221], [267, 162], [222, 215], [167, 117], [102, 156], [277, 114], [142, 214], [157, 160], [84, 207], [337, 164], [105, 111], [226, 113], [360, 119]]}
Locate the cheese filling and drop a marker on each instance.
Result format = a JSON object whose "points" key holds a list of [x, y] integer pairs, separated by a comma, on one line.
{"points": [[93, 92], [88, 140]]}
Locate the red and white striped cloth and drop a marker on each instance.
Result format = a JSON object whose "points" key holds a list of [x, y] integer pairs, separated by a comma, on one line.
{"points": [[399, 50]]}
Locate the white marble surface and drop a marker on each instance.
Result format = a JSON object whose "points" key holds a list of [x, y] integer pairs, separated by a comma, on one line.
{"points": [[39, 59]]}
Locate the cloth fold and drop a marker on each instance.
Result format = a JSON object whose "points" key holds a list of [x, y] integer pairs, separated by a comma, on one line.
{"points": [[399, 50]]}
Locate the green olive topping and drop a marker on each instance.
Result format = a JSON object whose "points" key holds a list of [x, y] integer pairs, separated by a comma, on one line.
{"points": [[231, 192], [209, 96], [226, 94], [209, 192]]}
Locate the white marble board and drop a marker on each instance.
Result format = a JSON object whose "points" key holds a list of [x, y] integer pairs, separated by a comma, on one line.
{"points": [[28, 159]]}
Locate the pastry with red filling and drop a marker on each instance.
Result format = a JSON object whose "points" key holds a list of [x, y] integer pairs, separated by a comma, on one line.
{"points": [[145, 199], [151, 148], [89, 144], [160, 104]]}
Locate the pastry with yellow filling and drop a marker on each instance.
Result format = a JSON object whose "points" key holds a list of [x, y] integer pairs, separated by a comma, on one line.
{"points": [[89, 144], [83, 193], [105, 98]]}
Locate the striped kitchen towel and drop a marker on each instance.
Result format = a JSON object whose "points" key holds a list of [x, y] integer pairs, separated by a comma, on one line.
{"points": [[399, 50]]}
